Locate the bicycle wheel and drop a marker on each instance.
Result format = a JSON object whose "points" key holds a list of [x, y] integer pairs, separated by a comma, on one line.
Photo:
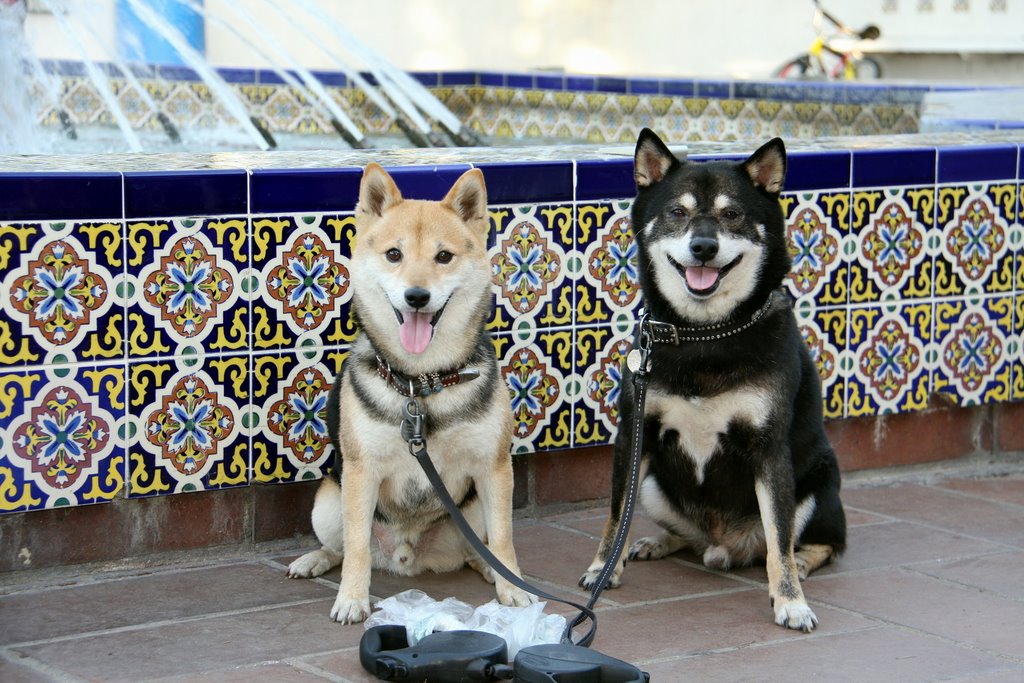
{"points": [[795, 68], [867, 69]]}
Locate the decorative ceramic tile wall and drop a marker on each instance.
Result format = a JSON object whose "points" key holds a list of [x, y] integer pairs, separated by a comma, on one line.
{"points": [[178, 331], [581, 108]]}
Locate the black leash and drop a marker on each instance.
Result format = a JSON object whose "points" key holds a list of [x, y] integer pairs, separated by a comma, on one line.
{"points": [[544, 660], [412, 432]]}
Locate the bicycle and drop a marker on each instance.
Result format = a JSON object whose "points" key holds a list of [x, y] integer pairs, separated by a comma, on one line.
{"points": [[824, 59]]}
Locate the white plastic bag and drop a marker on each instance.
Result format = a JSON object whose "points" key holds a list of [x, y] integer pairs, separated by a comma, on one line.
{"points": [[422, 615]]}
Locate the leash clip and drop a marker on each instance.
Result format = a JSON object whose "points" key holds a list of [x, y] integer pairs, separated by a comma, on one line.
{"points": [[638, 360], [412, 427]]}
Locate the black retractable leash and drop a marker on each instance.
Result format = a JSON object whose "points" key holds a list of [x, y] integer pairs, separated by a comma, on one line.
{"points": [[478, 656]]}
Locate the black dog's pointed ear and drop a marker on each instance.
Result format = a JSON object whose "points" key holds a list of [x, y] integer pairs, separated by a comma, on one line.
{"points": [[652, 159], [767, 166]]}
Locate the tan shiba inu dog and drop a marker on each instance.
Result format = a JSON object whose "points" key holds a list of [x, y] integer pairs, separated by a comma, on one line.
{"points": [[422, 295]]}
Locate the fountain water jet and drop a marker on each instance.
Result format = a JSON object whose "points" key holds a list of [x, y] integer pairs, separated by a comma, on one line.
{"points": [[264, 140]]}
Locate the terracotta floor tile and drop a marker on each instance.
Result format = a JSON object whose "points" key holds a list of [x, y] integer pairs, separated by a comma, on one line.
{"points": [[128, 601], [1000, 573], [344, 663], [944, 509], [261, 673], [872, 654], [691, 626], [1008, 489], [17, 672], [961, 614], [197, 646], [900, 543]]}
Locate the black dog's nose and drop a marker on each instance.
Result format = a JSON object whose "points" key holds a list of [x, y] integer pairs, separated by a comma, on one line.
{"points": [[704, 248], [417, 297]]}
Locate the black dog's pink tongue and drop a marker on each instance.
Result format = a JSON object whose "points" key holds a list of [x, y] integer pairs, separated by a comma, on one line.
{"points": [[701, 277], [415, 331]]}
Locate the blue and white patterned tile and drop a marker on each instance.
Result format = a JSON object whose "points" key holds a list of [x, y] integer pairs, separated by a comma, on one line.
{"points": [[61, 283], [187, 432], [974, 224], [820, 245], [601, 354], [187, 292], [288, 414], [530, 267], [894, 244], [537, 366], [825, 331], [303, 294], [608, 288], [973, 338], [891, 359], [62, 436]]}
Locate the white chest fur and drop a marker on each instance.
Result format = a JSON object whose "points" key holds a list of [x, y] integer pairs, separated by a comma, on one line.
{"points": [[700, 422]]}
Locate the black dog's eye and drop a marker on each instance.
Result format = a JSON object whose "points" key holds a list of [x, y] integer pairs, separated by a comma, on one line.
{"points": [[678, 211], [731, 214], [444, 257], [393, 255]]}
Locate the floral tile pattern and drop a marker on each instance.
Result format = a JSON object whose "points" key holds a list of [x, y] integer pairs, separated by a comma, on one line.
{"points": [[188, 291], [890, 368], [186, 430], [59, 282], [301, 266], [894, 244], [288, 418], [529, 267], [151, 353], [975, 251], [62, 432], [818, 229], [608, 288], [973, 339]]}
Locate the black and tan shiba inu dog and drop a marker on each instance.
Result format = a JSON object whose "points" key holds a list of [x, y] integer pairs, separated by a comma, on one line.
{"points": [[421, 295], [736, 464]]}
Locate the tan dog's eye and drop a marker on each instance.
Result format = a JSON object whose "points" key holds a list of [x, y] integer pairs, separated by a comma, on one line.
{"points": [[444, 257], [393, 255]]}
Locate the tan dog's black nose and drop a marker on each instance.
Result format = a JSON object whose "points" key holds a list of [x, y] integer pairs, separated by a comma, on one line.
{"points": [[703, 249], [417, 297]]}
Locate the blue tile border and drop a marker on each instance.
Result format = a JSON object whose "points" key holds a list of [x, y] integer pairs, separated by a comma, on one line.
{"points": [[277, 191], [55, 196], [550, 82], [974, 163], [581, 83], [427, 182], [458, 78], [543, 182], [605, 179], [164, 194], [817, 171], [608, 84], [888, 167], [679, 88]]}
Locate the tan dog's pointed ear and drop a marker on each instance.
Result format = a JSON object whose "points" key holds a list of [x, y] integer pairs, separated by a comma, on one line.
{"points": [[377, 191], [468, 198]]}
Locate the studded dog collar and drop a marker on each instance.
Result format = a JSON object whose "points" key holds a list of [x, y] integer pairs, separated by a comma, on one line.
{"points": [[667, 333], [425, 384]]}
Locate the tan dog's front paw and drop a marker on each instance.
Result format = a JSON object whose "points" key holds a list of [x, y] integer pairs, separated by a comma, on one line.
{"points": [[795, 615], [349, 611], [514, 597]]}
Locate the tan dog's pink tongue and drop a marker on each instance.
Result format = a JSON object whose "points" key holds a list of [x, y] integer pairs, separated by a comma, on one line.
{"points": [[701, 277], [415, 332]]}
